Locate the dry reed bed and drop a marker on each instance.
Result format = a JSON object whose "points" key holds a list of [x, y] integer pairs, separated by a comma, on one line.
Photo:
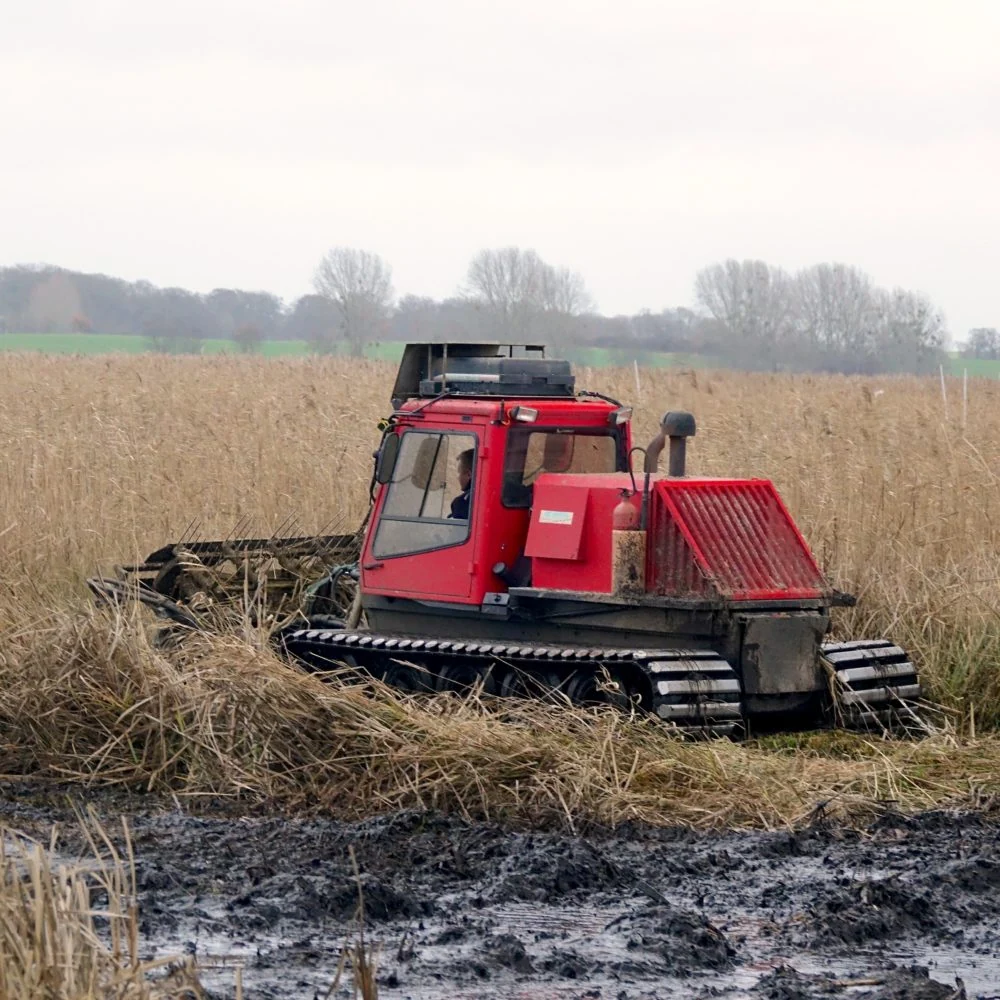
{"points": [[104, 459], [90, 699], [55, 942]]}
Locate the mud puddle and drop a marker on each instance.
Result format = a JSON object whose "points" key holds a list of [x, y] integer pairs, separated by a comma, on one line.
{"points": [[907, 908]]}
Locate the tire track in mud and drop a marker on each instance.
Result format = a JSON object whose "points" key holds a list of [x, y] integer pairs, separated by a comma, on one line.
{"points": [[474, 910]]}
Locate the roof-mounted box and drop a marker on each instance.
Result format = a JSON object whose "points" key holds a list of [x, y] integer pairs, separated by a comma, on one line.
{"points": [[510, 370]]}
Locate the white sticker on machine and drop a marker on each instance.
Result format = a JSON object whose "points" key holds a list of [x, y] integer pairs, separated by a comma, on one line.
{"points": [[555, 517]]}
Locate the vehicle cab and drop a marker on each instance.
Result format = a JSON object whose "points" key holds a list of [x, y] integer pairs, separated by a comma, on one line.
{"points": [[472, 429]]}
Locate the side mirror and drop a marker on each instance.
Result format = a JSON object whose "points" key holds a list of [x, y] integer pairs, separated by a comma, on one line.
{"points": [[386, 461]]}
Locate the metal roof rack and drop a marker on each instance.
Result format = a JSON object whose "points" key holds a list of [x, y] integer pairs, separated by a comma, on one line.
{"points": [[480, 369]]}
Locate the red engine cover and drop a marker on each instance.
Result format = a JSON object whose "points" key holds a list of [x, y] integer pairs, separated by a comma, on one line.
{"points": [[732, 537]]}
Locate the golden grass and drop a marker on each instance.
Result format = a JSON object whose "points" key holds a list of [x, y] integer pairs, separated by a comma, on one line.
{"points": [[92, 700], [103, 460], [56, 942]]}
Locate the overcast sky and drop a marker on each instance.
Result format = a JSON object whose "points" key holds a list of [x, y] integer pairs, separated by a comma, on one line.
{"points": [[218, 143]]}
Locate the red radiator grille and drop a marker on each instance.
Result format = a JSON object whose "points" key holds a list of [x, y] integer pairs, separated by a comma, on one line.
{"points": [[733, 537]]}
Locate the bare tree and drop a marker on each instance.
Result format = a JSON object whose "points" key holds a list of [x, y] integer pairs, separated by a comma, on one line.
{"points": [[54, 303], [912, 334], [754, 303], [508, 283], [248, 337], [234, 308], [837, 318], [523, 295], [563, 291], [177, 321], [983, 343], [359, 285], [563, 299]]}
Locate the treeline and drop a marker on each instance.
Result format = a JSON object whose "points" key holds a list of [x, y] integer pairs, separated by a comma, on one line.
{"points": [[748, 314], [509, 293], [830, 317], [53, 300], [983, 343]]}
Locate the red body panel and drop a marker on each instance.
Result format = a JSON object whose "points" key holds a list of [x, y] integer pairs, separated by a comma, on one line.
{"points": [[569, 539], [705, 537]]}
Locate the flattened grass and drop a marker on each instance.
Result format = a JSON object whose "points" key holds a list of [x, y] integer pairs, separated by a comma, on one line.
{"points": [[91, 700]]}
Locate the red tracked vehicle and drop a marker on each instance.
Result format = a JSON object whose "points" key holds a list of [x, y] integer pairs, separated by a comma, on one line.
{"points": [[510, 544]]}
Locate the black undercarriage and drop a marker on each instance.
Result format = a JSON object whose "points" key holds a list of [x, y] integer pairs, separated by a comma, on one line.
{"points": [[713, 666]]}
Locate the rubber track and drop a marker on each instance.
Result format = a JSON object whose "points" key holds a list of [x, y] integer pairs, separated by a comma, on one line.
{"points": [[878, 685], [696, 690]]}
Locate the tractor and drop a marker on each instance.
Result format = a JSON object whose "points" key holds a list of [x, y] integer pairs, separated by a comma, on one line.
{"points": [[519, 542]]}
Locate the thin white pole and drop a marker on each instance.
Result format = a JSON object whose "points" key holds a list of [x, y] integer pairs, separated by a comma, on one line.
{"points": [[944, 393], [638, 386]]}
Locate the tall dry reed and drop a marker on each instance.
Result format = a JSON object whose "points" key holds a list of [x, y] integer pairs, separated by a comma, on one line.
{"points": [[70, 931], [104, 459]]}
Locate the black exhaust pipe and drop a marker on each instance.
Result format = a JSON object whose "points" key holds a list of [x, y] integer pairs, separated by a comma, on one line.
{"points": [[677, 426]]}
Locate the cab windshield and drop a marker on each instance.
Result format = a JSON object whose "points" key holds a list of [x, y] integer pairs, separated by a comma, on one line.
{"points": [[532, 451]]}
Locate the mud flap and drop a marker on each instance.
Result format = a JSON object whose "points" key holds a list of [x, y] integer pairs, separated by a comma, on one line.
{"points": [[780, 653]]}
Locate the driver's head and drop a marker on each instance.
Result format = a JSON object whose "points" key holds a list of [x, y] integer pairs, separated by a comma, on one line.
{"points": [[465, 469]]}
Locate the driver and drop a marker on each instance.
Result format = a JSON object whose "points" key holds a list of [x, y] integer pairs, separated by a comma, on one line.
{"points": [[460, 505]]}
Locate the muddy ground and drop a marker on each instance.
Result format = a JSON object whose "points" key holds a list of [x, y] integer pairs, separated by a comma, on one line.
{"points": [[908, 908]]}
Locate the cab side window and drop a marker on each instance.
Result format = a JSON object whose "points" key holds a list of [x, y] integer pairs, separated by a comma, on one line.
{"points": [[420, 513], [532, 452]]}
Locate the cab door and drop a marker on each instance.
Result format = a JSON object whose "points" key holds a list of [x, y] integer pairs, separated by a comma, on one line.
{"points": [[421, 546]]}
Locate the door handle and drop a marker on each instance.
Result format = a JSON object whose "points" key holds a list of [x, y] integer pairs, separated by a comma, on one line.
{"points": [[372, 565]]}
